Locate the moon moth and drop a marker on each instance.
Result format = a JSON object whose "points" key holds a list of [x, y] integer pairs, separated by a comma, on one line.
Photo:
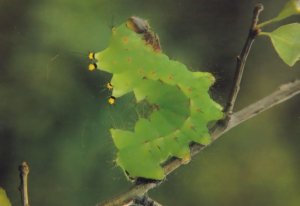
{"points": [[182, 106]]}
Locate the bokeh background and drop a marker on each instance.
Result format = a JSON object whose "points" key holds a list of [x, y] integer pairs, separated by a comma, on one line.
{"points": [[54, 112]]}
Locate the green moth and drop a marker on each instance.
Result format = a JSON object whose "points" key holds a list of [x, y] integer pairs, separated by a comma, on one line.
{"points": [[182, 105]]}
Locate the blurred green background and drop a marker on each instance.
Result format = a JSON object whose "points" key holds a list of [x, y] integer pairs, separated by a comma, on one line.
{"points": [[54, 113]]}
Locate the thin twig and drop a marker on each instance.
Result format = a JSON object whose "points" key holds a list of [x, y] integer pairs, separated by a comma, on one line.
{"points": [[284, 93], [146, 201], [24, 171], [133, 193], [240, 64]]}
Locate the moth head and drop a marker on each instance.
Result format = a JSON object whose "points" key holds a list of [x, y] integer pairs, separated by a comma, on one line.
{"points": [[137, 25]]}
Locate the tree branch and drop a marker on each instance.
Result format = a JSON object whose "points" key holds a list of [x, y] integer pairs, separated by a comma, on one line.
{"points": [[240, 64], [24, 171], [284, 93], [135, 192], [145, 201]]}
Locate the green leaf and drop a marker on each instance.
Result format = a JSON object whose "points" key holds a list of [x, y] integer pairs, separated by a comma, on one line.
{"points": [[179, 104], [286, 41], [4, 201], [292, 7]]}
